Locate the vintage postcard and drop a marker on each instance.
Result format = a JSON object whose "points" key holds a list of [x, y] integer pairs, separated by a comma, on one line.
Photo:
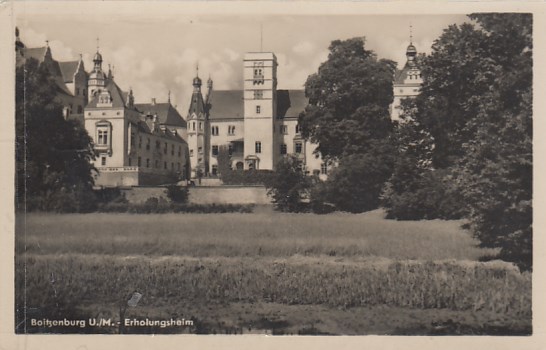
{"points": [[225, 174]]}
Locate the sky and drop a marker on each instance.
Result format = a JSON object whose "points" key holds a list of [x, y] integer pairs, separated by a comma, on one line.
{"points": [[154, 53]]}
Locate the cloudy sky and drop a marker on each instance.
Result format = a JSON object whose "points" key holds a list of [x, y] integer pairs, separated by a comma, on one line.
{"points": [[158, 51]]}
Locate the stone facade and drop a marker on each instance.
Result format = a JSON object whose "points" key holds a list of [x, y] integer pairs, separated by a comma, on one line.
{"points": [[259, 124]]}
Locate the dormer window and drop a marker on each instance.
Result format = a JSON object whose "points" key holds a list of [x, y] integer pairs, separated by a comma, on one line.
{"points": [[104, 99]]}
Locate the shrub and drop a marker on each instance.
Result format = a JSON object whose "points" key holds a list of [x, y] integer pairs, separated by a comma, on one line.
{"points": [[154, 205], [355, 185], [288, 185], [246, 177], [177, 194], [431, 195]]}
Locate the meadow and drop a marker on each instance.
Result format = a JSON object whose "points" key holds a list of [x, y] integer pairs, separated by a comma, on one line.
{"points": [[269, 272]]}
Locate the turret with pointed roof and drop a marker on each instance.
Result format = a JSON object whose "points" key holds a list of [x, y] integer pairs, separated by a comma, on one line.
{"points": [[407, 81], [198, 128]]}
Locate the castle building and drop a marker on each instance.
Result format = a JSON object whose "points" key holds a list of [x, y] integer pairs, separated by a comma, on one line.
{"points": [[151, 143], [258, 124], [70, 77], [407, 82], [135, 144]]}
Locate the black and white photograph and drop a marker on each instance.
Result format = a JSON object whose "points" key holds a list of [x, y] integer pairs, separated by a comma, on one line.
{"points": [[184, 170]]}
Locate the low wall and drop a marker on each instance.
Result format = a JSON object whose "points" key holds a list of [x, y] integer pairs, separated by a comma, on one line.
{"points": [[229, 195], [132, 176], [204, 194]]}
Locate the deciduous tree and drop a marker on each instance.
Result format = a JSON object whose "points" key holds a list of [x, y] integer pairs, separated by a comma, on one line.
{"points": [[53, 155]]}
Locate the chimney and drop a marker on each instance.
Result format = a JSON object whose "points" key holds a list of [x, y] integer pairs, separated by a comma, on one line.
{"points": [[153, 101]]}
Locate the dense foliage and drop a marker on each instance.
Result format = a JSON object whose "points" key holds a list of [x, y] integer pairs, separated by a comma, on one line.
{"points": [[53, 155], [177, 194], [348, 118], [349, 100], [288, 186], [230, 176], [473, 121]]}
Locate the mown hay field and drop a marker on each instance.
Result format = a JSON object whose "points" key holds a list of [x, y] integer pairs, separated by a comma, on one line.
{"points": [[196, 265]]}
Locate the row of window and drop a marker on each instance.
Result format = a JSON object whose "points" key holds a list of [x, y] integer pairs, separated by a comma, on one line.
{"points": [[193, 126], [200, 150], [283, 129], [157, 145], [298, 148], [139, 163]]}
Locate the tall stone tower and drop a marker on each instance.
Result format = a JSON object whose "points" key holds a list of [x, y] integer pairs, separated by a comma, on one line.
{"points": [[198, 130], [260, 101]]}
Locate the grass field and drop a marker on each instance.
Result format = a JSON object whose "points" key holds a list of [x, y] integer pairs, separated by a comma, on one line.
{"points": [[240, 273]]}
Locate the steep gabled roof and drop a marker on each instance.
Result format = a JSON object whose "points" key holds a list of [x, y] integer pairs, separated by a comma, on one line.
{"points": [[401, 75], [68, 69], [37, 53], [166, 113], [290, 103], [197, 104], [226, 104]]}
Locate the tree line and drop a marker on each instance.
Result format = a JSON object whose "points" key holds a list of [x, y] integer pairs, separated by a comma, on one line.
{"points": [[463, 146]]}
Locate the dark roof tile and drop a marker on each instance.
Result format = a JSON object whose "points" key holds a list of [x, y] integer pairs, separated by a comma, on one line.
{"points": [[226, 104], [166, 113], [68, 69], [290, 103]]}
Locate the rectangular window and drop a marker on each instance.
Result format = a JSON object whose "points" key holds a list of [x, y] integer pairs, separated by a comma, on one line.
{"points": [[231, 130], [164, 165], [258, 73], [172, 166], [200, 126], [258, 94], [172, 150], [230, 149], [179, 151], [214, 150], [193, 126], [298, 130], [214, 131], [165, 148], [102, 137], [324, 168], [214, 170], [103, 161], [283, 149], [191, 153], [284, 129], [147, 162], [157, 163], [258, 109], [140, 142], [148, 144], [298, 147], [258, 147], [139, 161]]}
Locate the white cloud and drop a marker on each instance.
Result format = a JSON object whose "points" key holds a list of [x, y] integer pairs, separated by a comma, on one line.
{"points": [[59, 50], [304, 48]]}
